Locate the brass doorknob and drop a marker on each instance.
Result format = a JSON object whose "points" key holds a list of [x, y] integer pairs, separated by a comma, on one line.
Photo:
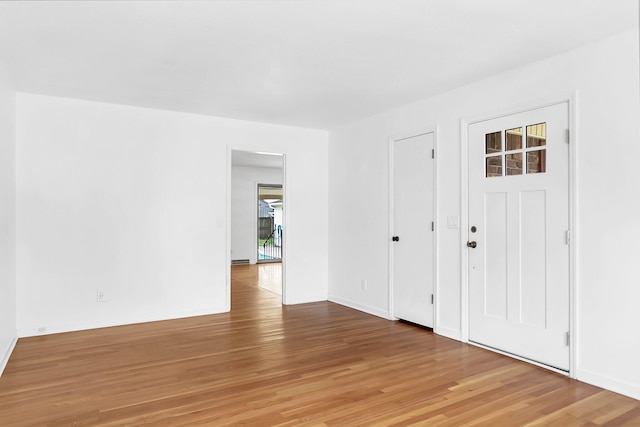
{"points": [[472, 244]]}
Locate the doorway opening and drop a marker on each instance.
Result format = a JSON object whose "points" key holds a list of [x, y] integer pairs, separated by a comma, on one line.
{"points": [[269, 242], [256, 243]]}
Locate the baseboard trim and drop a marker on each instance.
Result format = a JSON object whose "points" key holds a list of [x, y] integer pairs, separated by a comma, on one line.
{"points": [[360, 307], [7, 355], [454, 334], [308, 299], [609, 383], [64, 328]]}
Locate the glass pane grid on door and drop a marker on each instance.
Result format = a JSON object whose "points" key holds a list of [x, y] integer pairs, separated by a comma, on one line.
{"points": [[513, 157]]}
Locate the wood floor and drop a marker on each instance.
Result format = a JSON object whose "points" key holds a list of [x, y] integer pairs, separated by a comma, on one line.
{"points": [[306, 365]]}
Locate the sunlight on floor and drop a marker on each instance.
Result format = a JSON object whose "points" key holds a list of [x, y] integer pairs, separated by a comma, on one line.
{"points": [[270, 277]]}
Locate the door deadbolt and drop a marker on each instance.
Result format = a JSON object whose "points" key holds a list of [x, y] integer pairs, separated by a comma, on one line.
{"points": [[472, 244], [395, 238], [473, 229]]}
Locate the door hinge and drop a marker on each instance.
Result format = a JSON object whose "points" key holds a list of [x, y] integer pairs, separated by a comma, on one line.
{"points": [[433, 153], [431, 298], [568, 136], [433, 226], [568, 339], [568, 237]]}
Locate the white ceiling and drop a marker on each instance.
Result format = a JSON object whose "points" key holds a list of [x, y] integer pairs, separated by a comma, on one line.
{"points": [[312, 63]]}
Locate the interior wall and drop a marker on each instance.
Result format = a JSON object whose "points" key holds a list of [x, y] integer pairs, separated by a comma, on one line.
{"points": [[132, 202], [8, 332], [244, 181], [605, 77]]}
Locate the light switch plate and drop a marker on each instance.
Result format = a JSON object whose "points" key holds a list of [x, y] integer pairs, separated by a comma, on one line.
{"points": [[453, 221]]}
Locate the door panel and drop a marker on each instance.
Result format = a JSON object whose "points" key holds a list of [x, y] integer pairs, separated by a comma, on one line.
{"points": [[496, 250], [519, 204], [533, 266], [413, 207]]}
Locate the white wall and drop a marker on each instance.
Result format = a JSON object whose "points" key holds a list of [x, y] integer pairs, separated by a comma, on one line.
{"points": [[7, 219], [244, 182], [131, 201], [605, 75]]}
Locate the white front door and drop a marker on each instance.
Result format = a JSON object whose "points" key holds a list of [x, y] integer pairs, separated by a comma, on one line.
{"points": [[413, 235], [518, 234]]}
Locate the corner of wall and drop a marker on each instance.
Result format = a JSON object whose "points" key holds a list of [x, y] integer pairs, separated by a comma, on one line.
{"points": [[5, 359], [8, 302]]}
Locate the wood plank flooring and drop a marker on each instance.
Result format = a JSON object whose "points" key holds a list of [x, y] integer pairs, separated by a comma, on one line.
{"points": [[264, 364]]}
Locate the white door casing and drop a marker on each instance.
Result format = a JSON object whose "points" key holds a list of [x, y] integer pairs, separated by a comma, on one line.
{"points": [[518, 274], [413, 224]]}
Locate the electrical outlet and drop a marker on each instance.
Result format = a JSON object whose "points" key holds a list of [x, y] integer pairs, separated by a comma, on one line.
{"points": [[101, 296], [363, 284]]}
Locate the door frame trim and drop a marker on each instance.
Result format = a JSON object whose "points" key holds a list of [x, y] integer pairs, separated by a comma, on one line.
{"points": [[572, 102], [398, 137]]}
